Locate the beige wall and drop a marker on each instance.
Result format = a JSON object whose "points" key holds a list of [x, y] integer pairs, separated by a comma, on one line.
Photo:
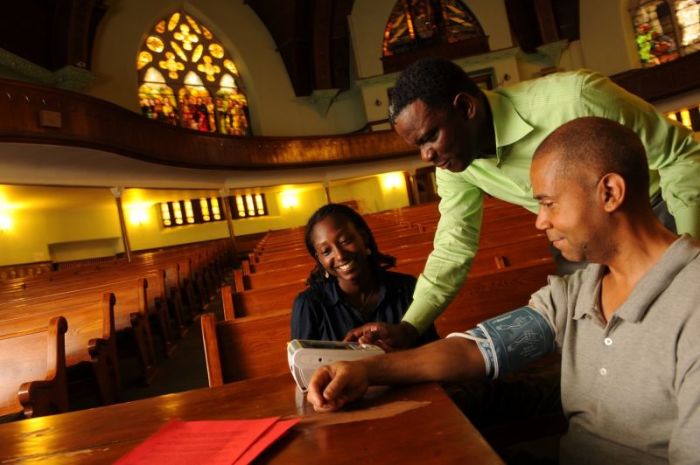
{"points": [[607, 38], [78, 223], [68, 223], [47, 220], [607, 45]]}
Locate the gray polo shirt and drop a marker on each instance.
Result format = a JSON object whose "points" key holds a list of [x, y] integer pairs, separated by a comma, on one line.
{"points": [[631, 387]]}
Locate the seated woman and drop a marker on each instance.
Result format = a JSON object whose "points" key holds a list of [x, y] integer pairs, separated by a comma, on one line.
{"points": [[350, 285]]}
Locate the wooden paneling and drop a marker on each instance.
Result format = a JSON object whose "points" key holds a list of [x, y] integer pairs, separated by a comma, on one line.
{"points": [[93, 123], [662, 81]]}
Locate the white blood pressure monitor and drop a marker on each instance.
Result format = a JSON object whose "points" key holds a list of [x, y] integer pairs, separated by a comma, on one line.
{"points": [[306, 356]]}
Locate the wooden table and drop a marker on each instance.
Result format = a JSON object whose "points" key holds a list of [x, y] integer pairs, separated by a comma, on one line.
{"points": [[415, 424]]}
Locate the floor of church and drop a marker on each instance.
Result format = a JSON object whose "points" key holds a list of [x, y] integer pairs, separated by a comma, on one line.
{"points": [[185, 369]]}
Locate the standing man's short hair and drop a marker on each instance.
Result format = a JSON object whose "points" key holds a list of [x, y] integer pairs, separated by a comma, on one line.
{"points": [[435, 81]]}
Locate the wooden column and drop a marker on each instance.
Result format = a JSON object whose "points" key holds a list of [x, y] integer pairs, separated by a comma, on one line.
{"points": [[412, 187], [327, 190], [117, 193], [547, 21], [229, 221]]}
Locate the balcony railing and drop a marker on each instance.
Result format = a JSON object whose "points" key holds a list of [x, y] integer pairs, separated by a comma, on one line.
{"points": [[43, 115]]}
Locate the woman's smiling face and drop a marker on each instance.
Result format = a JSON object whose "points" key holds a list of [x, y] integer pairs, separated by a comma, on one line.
{"points": [[340, 248]]}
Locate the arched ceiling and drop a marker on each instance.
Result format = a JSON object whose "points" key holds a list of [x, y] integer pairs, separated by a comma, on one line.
{"points": [[313, 38]]}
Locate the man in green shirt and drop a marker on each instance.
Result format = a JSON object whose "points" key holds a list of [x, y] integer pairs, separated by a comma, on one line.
{"points": [[483, 142], [626, 326]]}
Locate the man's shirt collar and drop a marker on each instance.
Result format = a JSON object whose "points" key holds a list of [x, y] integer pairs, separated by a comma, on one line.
{"points": [[645, 292], [509, 127]]}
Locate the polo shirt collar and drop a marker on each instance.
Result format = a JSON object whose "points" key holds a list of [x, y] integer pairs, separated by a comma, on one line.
{"points": [[509, 126], [658, 278], [652, 284], [587, 298]]}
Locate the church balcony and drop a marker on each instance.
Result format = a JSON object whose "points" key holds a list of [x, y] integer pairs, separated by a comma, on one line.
{"points": [[42, 115]]}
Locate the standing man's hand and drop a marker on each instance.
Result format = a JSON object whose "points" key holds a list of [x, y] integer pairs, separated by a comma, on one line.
{"points": [[388, 337], [333, 386]]}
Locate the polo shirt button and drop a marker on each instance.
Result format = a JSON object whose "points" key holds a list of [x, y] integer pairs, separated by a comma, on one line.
{"points": [[603, 371], [608, 341]]}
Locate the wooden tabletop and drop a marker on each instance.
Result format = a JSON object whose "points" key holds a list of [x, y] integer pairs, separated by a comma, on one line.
{"points": [[414, 424]]}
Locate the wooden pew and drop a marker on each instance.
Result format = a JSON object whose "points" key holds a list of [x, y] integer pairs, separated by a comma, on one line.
{"points": [[268, 299], [253, 346], [33, 372], [130, 313], [507, 232], [490, 295], [280, 261], [259, 301], [160, 307], [90, 339], [516, 250], [388, 236], [245, 348]]}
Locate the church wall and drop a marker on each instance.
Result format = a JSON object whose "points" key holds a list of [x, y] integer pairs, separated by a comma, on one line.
{"points": [[274, 109], [607, 36], [23, 241], [92, 229], [58, 224], [368, 20], [65, 224]]}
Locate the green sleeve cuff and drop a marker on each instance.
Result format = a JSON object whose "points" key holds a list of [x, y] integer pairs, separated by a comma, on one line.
{"points": [[421, 315], [688, 220]]}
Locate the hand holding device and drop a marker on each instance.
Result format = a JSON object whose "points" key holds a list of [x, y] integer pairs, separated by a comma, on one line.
{"points": [[305, 356]]}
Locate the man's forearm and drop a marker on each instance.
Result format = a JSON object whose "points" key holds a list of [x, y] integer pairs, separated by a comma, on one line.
{"points": [[452, 359]]}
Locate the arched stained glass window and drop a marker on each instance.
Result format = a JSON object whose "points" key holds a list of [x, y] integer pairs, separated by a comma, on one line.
{"points": [[688, 17], [187, 78], [417, 23], [666, 29]]}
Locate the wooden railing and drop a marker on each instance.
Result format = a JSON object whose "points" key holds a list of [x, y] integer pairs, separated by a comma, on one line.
{"points": [[662, 81], [43, 115]]}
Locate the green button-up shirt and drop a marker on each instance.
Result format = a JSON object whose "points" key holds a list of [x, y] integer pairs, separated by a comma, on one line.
{"points": [[523, 115]]}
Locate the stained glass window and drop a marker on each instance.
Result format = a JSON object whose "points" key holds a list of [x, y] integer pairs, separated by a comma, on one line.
{"points": [[666, 29], [688, 17], [416, 23], [187, 78], [207, 210], [688, 117], [248, 205]]}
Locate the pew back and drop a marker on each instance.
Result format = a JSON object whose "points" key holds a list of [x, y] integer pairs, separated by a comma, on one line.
{"points": [[32, 371], [245, 348]]}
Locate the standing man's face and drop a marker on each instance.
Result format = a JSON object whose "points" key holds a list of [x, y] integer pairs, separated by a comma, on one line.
{"points": [[445, 138]]}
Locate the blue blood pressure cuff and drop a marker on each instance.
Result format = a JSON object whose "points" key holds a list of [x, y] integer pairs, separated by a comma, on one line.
{"points": [[511, 341]]}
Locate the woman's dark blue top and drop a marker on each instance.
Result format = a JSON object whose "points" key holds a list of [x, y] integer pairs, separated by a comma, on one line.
{"points": [[321, 314]]}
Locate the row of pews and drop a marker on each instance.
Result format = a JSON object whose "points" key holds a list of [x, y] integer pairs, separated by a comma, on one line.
{"points": [[80, 325], [513, 261]]}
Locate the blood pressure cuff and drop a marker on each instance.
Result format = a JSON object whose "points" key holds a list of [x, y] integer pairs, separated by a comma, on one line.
{"points": [[511, 341]]}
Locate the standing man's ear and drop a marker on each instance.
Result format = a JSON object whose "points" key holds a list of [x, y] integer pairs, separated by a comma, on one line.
{"points": [[465, 104], [612, 191]]}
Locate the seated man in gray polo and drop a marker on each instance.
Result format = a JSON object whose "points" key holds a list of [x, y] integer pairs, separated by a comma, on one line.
{"points": [[627, 326]]}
